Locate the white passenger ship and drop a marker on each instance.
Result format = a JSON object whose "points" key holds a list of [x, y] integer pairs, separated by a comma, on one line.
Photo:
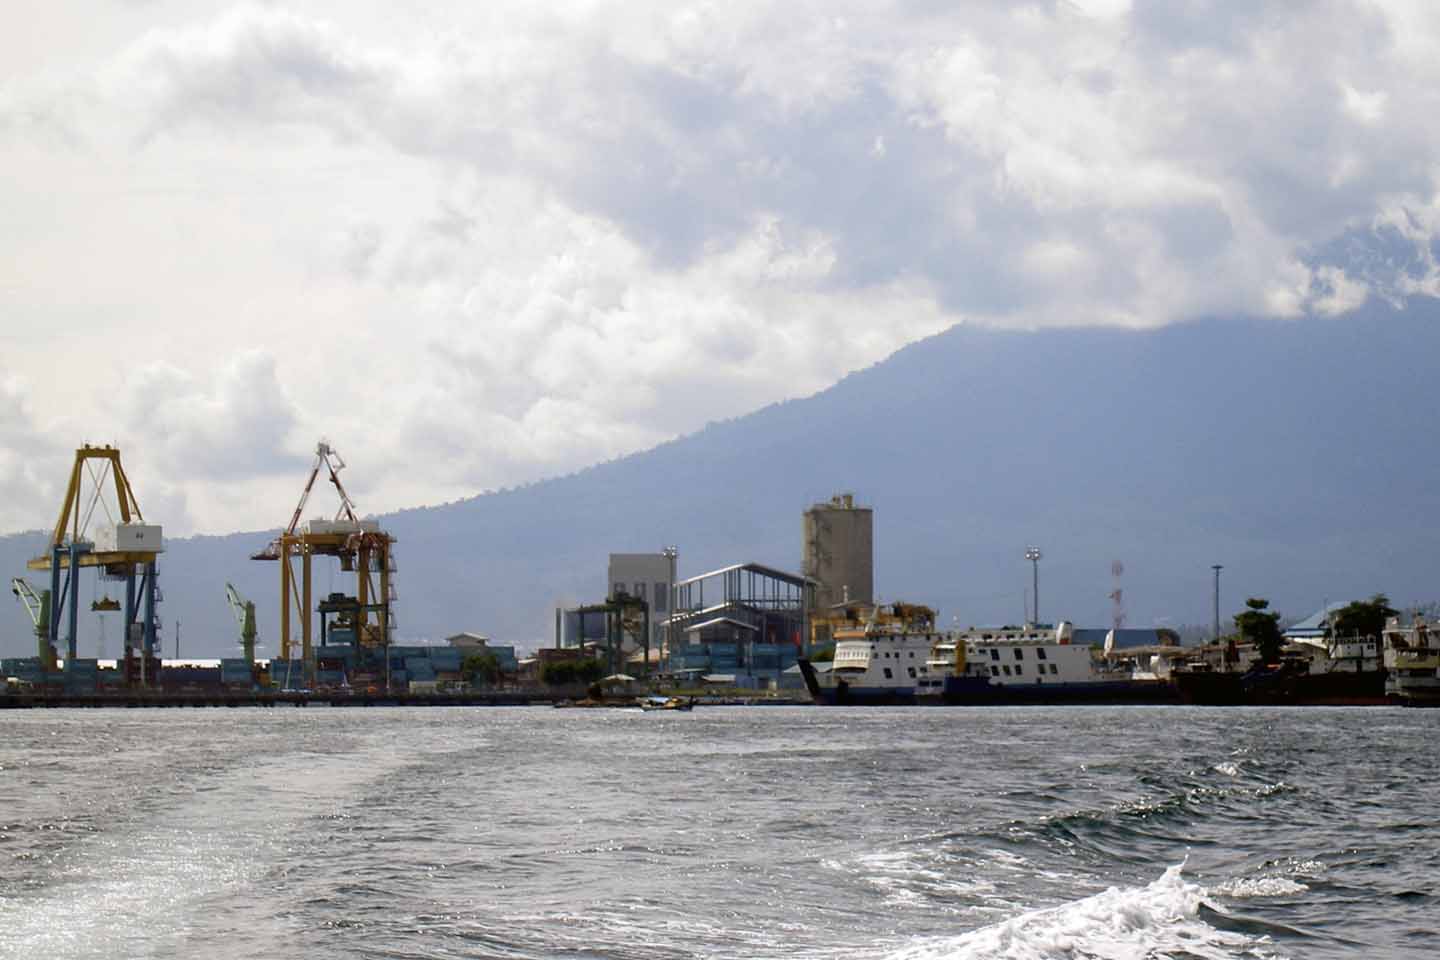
{"points": [[1038, 665], [892, 662], [880, 661]]}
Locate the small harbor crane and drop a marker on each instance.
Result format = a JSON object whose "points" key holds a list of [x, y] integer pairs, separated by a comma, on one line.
{"points": [[37, 604], [244, 613]]}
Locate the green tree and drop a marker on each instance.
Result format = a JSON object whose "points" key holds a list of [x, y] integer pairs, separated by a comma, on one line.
{"points": [[565, 672], [1363, 618], [481, 667], [1261, 627]]}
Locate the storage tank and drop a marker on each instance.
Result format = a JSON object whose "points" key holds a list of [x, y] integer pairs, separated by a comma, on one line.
{"points": [[839, 543]]}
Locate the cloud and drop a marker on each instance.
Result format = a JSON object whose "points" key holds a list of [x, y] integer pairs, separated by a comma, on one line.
{"points": [[514, 238], [240, 419], [683, 127], [33, 463]]}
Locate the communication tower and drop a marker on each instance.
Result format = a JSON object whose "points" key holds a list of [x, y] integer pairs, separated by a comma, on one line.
{"points": [[1117, 595]]}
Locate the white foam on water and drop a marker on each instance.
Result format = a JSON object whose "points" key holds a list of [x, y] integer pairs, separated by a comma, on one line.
{"points": [[1252, 887], [1119, 924], [141, 886]]}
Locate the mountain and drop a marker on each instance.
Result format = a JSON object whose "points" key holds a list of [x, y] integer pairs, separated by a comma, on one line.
{"points": [[1299, 454]]}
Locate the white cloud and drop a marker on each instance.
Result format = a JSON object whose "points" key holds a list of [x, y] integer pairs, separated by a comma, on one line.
{"points": [[505, 240], [33, 462]]}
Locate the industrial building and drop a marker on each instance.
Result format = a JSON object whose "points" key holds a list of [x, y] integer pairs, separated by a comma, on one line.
{"points": [[744, 624], [473, 644], [649, 577], [839, 552]]}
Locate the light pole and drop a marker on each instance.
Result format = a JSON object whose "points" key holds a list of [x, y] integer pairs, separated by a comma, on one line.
{"points": [[671, 553], [1217, 568], [1033, 555]]}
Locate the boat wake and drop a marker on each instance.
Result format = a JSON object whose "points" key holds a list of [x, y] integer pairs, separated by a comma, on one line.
{"points": [[1167, 918]]}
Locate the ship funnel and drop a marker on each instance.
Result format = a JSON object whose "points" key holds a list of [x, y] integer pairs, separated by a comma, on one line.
{"points": [[1064, 631]]}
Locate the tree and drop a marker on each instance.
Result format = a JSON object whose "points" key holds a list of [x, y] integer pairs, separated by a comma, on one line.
{"points": [[1363, 618], [566, 672], [482, 667], [1262, 628]]}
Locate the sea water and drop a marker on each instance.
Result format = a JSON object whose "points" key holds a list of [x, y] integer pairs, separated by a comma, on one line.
{"points": [[729, 832]]}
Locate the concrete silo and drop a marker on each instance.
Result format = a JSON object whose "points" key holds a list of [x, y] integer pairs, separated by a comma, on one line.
{"points": [[839, 542]]}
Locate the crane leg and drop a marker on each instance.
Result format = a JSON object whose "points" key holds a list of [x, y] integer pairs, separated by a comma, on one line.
{"points": [[150, 576], [73, 623], [126, 645]]}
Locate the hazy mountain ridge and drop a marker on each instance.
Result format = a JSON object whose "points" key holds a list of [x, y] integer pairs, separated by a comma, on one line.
{"points": [[1298, 454]]}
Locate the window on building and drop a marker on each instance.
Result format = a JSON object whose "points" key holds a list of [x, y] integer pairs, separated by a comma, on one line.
{"points": [[994, 653], [912, 673], [1019, 669], [994, 671], [640, 591], [1006, 668], [1039, 653], [619, 589], [1052, 668], [888, 674], [912, 654], [662, 598], [1019, 654]]}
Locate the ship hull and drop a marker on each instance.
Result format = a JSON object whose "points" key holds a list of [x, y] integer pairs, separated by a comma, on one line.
{"points": [[977, 691], [1281, 689], [839, 693]]}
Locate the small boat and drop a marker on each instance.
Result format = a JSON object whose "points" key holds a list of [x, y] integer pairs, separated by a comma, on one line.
{"points": [[667, 703]]}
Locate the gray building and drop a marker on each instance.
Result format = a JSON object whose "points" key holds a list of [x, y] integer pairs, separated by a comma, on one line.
{"points": [[839, 540], [650, 577]]}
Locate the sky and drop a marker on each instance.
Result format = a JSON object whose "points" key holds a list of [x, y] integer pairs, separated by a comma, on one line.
{"points": [[474, 245]]}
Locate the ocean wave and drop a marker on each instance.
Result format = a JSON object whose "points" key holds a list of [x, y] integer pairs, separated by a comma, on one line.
{"points": [[1250, 887], [1161, 919]]}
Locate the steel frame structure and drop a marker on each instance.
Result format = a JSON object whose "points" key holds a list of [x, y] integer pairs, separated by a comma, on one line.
{"points": [[69, 552]]}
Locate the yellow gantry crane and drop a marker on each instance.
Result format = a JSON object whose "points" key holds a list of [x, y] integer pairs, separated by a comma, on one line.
{"points": [[123, 548], [361, 547]]}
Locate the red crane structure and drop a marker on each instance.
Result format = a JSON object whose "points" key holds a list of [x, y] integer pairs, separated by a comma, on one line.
{"points": [[361, 547]]}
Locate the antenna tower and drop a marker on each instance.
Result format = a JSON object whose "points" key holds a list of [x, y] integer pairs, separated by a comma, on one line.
{"points": [[1117, 595]]}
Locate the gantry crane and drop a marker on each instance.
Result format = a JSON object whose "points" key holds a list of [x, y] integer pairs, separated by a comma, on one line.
{"points": [[244, 612], [37, 604], [360, 545], [123, 549]]}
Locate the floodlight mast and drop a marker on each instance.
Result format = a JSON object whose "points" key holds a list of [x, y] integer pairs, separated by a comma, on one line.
{"points": [[1033, 554]]}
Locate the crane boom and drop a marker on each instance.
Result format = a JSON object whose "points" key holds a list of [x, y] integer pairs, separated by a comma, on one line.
{"points": [[244, 612], [327, 457], [33, 602], [37, 604]]}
